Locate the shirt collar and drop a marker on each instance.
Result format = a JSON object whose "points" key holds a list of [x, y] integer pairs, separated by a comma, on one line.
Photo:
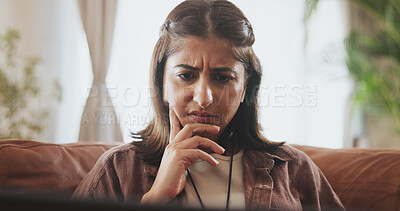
{"points": [[150, 169], [265, 159]]}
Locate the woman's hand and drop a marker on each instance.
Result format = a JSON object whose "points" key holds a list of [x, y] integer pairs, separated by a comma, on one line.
{"points": [[183, 150]]}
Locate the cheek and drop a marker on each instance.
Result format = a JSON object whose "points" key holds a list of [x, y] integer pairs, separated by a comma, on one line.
{"points": [[230, 98], [168, 91], [174, 94]]}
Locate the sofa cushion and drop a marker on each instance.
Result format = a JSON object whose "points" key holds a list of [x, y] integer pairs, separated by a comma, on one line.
{"points": [[37, 166], [364, 179]]}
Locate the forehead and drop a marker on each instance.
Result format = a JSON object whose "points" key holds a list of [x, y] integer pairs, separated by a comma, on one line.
{"points": [[210, 50]]}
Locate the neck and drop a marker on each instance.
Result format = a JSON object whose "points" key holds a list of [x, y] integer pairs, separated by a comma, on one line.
{"points": [[230, 144], [227, 142]]}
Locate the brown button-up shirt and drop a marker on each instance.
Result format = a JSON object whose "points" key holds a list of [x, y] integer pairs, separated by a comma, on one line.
{"points": [[282, 179]]}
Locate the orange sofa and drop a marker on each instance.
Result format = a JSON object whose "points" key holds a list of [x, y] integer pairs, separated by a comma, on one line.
{"points": [[364, 179]]}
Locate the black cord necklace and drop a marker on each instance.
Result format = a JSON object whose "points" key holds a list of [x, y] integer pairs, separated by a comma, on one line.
{"points": [[229, 184]]}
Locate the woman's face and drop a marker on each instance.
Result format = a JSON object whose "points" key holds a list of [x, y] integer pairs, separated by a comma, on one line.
{"points": [[203, 82]]}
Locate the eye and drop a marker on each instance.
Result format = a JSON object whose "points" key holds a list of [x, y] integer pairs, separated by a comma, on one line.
{"points": [[186, 76], [222, 78]]}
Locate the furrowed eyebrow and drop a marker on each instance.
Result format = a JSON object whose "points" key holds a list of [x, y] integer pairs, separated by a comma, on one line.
{"points": [[188, 67], [222, 69], [217, 69]]}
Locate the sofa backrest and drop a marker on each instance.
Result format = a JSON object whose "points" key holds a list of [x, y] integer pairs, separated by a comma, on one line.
{"points": [[364, 179], [37, 166]]}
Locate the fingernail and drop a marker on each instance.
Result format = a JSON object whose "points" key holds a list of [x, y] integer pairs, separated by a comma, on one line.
{"points": [[218, 128]]}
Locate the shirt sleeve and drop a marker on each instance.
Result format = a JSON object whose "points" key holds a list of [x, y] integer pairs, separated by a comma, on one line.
{"points": [[316, 192], [101, 182]]}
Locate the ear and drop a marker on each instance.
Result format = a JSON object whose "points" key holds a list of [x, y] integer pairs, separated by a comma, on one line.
{"points": [[243, 95], [165, 100], [165, 91], [247, 79], [165, 95]]}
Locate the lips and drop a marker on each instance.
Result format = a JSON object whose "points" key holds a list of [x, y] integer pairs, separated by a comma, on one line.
{"points": [[201, 117]]}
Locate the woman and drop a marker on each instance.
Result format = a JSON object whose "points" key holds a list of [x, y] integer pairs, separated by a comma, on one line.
{"points": [[204, 147]]}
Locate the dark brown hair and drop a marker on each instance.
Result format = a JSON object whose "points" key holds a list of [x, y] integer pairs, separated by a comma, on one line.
{"points": [[206, 19]]}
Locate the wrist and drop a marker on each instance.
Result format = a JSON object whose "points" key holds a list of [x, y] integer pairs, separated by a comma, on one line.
{"points": [[152, 197]]}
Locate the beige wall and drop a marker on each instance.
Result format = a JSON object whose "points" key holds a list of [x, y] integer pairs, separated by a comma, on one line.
{"points": [[51, 29]]}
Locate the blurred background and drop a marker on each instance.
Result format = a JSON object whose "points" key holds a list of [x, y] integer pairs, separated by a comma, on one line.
{"points": [[78, 70]]}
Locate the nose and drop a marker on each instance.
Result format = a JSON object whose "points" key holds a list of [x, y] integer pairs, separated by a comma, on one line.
{"points": [[203, 95]]}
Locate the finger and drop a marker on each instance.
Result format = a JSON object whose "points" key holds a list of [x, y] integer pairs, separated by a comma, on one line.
{"points": [[202, 143], [175, 126], [193, 154], [196, 129]]}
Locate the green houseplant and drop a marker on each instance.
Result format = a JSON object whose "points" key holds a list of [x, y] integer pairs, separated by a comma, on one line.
{"points": [[373, 56], [19, 87]]}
